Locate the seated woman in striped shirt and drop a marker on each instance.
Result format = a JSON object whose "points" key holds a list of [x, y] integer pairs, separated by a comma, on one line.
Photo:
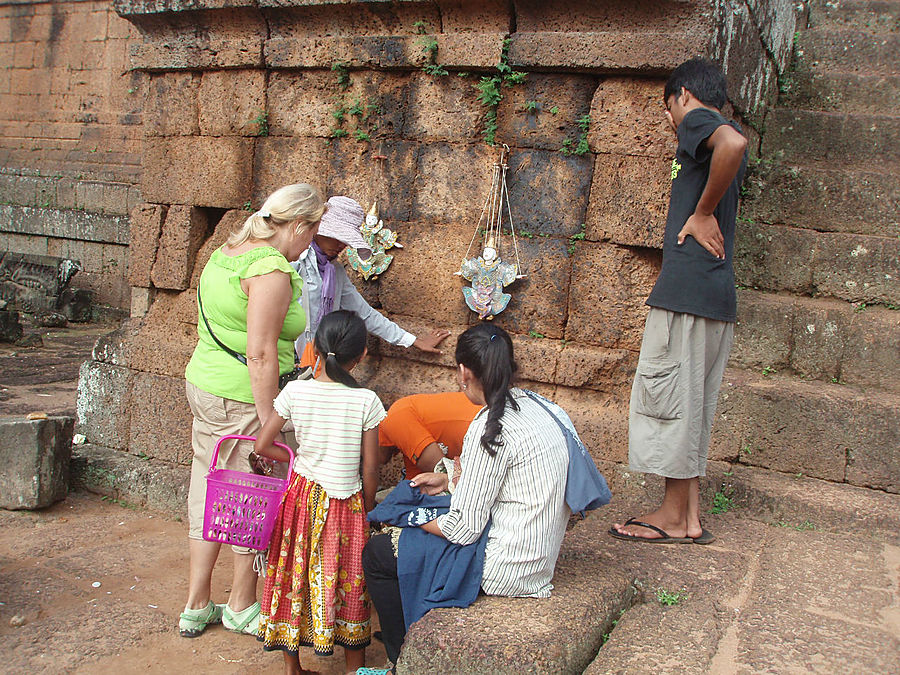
{"points": [[514, 464]]}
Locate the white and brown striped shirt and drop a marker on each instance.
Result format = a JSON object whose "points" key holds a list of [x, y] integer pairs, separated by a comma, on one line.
{"points": [[521, 489], [328, 419]]}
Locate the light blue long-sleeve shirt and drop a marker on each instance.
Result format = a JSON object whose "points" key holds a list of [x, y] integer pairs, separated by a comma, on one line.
{"points": [[345, 297]]}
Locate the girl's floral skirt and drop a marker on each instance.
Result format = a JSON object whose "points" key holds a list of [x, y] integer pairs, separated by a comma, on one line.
{"points": [[315, 593]]}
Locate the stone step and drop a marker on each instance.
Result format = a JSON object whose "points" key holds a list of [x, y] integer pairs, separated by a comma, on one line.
{"points": [[856, 93], [754, 601], [765, 514], [833, 432], [772, 497], [849, 50], [852, 267], [161, 486], [869, 15], [832, 140], [825, 340], [827, 199], [801, 502]]}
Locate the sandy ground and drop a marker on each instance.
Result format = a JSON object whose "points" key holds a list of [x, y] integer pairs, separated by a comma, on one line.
{"points": [[49, 565], [50, 559]]}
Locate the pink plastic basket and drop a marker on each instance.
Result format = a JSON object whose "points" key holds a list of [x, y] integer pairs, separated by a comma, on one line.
{"points": [[241, 508]]}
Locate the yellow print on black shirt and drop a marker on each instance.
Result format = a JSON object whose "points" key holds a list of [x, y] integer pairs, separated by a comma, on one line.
{"points": [[676, 167]]}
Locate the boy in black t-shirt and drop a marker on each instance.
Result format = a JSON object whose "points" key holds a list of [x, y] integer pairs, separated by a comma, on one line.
{"points": [[690, 326]]}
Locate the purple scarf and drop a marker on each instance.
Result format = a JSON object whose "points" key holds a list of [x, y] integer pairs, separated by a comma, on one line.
{"points": [[326, 271]]}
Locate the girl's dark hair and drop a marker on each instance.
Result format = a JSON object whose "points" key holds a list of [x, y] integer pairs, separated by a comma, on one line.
{"points": [[487, 351], [703, 78], [341, 339]]}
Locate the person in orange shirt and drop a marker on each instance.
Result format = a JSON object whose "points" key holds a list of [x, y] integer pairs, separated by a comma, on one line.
{"points": [[420, 424]]}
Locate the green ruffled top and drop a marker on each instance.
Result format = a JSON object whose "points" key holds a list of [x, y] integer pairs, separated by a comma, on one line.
{"points": [[225, 306]]}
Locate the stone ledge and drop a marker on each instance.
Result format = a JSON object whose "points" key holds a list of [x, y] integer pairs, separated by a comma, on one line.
{"points": [[787, 500], [825, 199], [821, 339], [645, 52], [772, 497], [485, 638], [781, 423], [65, 224], [465, 50], [157, 485]]}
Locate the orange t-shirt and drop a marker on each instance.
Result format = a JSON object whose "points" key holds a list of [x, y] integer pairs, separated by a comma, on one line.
{"points": [[416, 421]]}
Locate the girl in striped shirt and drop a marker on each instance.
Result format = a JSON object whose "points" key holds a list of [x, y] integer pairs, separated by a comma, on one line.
{"points": [[315, 593]]}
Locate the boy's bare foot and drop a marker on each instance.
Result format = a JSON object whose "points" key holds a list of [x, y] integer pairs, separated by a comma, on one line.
{"points": [[674, 528], [651, 528]]}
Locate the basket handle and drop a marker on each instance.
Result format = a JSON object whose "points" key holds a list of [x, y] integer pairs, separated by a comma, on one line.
{"points": [[238, 437]]}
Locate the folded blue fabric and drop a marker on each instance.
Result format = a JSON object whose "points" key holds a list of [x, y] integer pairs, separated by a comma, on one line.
{"points": [[586, 488], [432, 571]]}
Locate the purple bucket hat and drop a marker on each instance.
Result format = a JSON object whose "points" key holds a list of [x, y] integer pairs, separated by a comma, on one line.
{"points": [[342, 221]]}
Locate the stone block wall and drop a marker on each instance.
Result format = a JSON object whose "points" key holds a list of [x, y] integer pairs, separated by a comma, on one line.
{"points": [[245, 98], [70, 138]]}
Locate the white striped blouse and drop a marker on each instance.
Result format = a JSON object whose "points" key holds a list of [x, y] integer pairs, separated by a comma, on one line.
{"points": [[521, 489], [328, 419]]}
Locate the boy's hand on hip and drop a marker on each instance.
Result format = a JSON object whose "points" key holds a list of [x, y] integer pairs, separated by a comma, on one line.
{"points": [[705, 230]]}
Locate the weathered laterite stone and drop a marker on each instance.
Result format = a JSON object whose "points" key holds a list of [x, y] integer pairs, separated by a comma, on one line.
{"points": [[34, 461]]}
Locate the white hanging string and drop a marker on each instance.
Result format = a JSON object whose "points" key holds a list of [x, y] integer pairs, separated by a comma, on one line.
{"points": [[492, 213]]}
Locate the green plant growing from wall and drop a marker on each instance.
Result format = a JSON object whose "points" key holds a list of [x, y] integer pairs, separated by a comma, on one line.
{"points": [[430, 48], [584, 124], [262, 123], [579, 147], [578, 236], [490, 93], [360, 110], [340, 69]]}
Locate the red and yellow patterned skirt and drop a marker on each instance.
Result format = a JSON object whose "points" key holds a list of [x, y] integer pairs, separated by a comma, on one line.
{"points": [[315, 593]]}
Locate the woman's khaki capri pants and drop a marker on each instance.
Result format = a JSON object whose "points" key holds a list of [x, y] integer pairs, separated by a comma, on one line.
{"points": [[215, 417]]}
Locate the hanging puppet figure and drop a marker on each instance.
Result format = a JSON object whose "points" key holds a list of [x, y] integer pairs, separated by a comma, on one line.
{"points": [[487, 272], [488, 275], [380, 239]]}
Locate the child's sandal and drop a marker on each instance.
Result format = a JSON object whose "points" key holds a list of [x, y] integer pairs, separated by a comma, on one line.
{"points": [[193, 622]]}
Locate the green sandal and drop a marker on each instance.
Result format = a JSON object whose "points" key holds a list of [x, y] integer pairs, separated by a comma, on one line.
{"points": [[246, 622], [193, 622]]}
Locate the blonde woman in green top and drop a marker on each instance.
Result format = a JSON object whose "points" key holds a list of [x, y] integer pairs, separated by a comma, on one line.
{"points": [[247, 301]]}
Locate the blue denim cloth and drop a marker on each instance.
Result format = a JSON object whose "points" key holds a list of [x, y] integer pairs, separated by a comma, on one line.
{"points": [[432, 571]]}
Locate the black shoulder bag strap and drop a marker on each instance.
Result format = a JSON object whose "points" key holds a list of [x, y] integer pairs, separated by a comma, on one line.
{"points": [[225, 348]]}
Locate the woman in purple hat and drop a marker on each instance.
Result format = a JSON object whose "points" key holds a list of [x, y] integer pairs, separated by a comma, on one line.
{"points": [[327, 288]]}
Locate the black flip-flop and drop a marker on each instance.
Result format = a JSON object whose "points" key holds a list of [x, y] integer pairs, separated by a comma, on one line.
{"points": [[664, 537], [706, 537]]}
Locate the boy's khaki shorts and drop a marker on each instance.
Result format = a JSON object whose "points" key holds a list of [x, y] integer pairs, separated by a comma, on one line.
{"points": [[675, 392]]}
